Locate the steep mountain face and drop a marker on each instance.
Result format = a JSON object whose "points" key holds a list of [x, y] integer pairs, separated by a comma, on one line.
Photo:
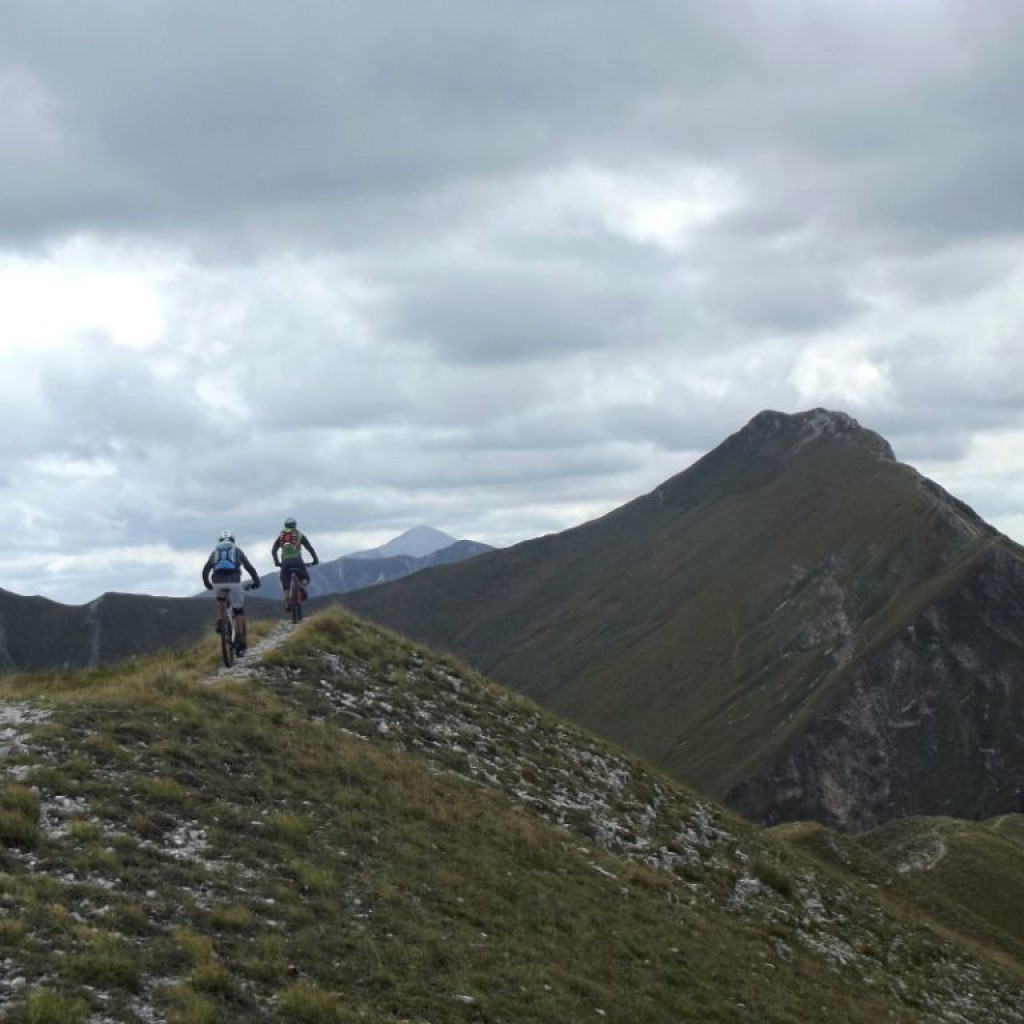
{"points": [[352, 572], [798, 624]]}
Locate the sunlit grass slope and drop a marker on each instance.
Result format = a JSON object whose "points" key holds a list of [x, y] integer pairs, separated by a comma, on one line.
{"points": [[364, 831]]}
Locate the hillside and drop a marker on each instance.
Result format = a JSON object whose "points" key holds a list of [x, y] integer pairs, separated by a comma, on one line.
{"points": [[37, 634], [358, 830], [798, 624]]}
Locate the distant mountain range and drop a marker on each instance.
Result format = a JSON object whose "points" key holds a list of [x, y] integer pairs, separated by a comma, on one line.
{"points": [[416, 549], [798, 625], [419, 542]]}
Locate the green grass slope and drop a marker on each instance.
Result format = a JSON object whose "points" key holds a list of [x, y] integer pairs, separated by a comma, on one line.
{"points": [[964, 878], [361, 831], [705, 625]]}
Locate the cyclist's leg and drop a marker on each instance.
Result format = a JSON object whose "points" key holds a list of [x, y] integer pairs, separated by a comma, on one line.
{"points": [[237, 598], [221, 594]]}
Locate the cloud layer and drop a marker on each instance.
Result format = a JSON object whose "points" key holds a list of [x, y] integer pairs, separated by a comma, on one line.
{"points": [[497, 269]]}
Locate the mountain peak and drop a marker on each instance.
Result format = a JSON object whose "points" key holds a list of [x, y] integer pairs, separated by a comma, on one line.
{"points": [[794, 430], [418, 542]]}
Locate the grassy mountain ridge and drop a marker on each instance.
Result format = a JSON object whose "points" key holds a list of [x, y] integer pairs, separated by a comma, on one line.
{"points": [[714, 624], [362, 830]]}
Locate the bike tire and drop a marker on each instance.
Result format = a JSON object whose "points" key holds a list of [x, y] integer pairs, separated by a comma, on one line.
{"points": [[296, 602], [227, 641]]}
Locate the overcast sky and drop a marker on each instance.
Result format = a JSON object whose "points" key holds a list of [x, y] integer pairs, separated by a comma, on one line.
{"points": [[493, 267]]}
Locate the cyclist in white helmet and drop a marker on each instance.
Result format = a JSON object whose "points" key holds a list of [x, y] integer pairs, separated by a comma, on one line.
{"points": [[287, 553], [223, 572]]}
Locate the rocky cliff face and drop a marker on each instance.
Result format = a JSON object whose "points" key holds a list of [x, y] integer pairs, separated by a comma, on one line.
{"points": [[932, 721]]}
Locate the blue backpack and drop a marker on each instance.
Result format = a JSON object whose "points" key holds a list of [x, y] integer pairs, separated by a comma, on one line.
{"points": [[225, 556]]}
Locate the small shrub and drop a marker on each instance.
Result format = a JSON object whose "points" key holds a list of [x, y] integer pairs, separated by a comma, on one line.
{"points": [[313, 878], [96, 857], [83, 831], [167, 791], [270, 962], [232, 917], [102, 748], [211, 977], [107, 961], [290, 828], [306, 1004], [192, 947], [189, 1007], [11, 933], [19, 815], [129, 918], [47, 1007], [772, 876]]}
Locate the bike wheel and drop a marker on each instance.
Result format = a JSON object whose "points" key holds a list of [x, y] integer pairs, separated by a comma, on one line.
{"points": [[227, 641], [296, 599]]}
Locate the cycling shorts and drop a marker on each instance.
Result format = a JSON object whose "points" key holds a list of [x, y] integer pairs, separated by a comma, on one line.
{"points": [[232, 592], [293, 565]]}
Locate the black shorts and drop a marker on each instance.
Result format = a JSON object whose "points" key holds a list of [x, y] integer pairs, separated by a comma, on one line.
{"points": [[293, 565]]}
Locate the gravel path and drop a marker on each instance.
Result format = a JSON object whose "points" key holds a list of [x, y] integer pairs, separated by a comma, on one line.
{"points": [[247, 666]]}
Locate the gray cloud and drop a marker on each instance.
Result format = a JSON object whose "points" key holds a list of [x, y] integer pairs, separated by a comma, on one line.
{"points": [[494, 269]]}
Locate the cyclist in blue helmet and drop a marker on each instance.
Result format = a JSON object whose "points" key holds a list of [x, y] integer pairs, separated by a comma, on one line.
{"points": [[223, 573]]}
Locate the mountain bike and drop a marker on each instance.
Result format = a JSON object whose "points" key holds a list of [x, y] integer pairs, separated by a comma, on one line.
{"points": [[229, 639], [295, 596]]}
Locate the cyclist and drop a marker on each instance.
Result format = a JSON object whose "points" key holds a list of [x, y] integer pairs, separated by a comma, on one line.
{"points": [[287, 555], [223, 572]]}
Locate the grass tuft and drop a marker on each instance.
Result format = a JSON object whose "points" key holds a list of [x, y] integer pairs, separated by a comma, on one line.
{"points": [[19, 815], [48, 1007]]}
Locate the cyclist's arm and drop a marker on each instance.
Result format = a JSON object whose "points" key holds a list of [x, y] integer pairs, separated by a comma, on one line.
{"points": [[274, 550], [247, 566], [309, 548], [206, 573]]}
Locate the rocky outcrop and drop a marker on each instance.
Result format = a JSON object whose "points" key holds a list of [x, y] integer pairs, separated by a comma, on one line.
{"points": [[931, 722]]}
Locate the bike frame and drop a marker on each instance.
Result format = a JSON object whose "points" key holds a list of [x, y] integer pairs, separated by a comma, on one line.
{"points": [[295, 596], [229, 628]]}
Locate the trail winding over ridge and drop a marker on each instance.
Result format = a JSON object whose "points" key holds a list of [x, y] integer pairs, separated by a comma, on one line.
{"points": [[247, 666]]}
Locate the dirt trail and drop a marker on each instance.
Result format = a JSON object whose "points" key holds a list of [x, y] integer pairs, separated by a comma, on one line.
{"points": [[248, 664]]}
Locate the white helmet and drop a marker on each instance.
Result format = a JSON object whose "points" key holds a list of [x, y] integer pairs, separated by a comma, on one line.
{"points": [[227, 535]]}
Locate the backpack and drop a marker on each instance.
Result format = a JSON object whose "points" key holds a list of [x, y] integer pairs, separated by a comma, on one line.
{"points": [[225, 556], [291, 544]]}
